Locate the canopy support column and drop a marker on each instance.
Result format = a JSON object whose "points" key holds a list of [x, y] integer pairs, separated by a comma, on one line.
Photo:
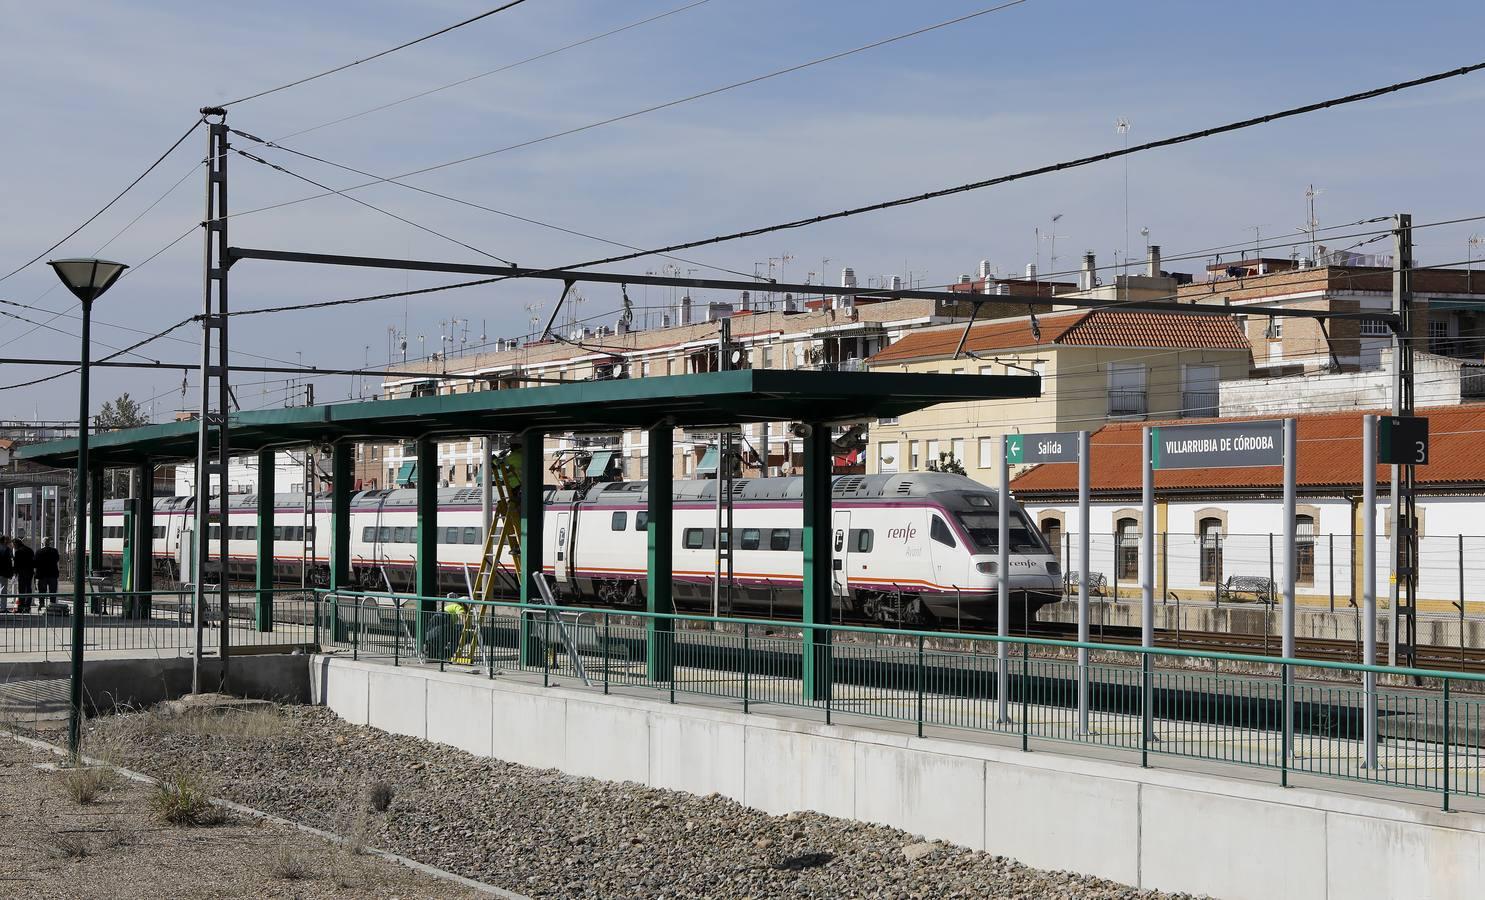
{"points": [[816, 606], [659, 569], [426, 546], [143, 564], [263, 608], [95, 519], [340, 527], [532, 466]]}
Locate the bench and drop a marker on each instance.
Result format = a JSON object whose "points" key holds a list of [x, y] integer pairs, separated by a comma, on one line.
{"points": [[1098, 585], [1259, 587]]}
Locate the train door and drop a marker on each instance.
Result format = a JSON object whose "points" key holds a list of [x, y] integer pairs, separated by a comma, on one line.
{"points": [[840, 547], [564, 551]]}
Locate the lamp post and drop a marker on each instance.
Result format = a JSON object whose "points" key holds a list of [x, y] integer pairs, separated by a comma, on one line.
{"points": [[87, 279]]}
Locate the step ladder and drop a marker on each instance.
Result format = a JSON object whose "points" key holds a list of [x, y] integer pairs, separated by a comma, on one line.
{"points": [[502, 540]]}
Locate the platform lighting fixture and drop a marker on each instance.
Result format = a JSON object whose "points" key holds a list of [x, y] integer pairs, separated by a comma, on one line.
{"points": [[87, 279]]}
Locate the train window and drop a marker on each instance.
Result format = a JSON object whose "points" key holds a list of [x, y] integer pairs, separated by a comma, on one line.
{"points": [[751, 538], [778, 539], [981, 500], [641, 521], [384, 534], [700, 539], [448, 536], [861, 540], [294, 532], [618, 521], [368, 534], [309, 532], [471, 535], [215, 533], [401, 535], [941, 533], [157, 532]]}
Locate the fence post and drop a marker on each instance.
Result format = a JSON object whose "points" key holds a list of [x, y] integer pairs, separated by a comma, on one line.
{"points": [[1330, 567], [1025, 688], [920, 685], [1286, 726], [355, 634], [606, 646], [747, 663], [1447, 740], [1145, 723], [546, 653], [396, 631]]}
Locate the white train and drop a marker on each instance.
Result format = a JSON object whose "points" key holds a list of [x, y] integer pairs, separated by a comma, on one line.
{"points": [[916, 548]]}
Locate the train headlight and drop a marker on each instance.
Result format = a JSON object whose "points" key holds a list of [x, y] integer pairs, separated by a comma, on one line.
{"points": [[1054, 570], [986, 568]]}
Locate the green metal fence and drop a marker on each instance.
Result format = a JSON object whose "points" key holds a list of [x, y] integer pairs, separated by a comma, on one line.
{"points": [[155, 621], [1298, 717]]}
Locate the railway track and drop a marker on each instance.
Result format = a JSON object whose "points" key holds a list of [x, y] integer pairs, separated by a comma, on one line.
{"points": [[1323, 649]]}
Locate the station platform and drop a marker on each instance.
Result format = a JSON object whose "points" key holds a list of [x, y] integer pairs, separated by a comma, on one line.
{"points": [[1181, 824]]}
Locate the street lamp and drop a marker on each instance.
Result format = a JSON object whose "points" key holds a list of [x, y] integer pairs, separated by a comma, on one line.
{"points": [[87, 279]]}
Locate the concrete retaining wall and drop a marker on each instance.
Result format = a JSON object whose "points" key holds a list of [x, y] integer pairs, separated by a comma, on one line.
{"points": [[1152, 828], [110, 683]]}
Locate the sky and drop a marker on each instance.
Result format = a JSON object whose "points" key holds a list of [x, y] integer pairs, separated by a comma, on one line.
{"points": [[94, 91]]}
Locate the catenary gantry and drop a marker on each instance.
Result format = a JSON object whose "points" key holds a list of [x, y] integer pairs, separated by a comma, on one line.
{"points": [[657, 405]]}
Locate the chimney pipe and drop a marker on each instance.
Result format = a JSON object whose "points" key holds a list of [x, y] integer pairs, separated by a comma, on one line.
{"points": [[1031, 271], [1152, 261], [1089, 276]]}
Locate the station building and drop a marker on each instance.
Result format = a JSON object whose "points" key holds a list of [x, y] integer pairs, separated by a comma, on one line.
{"points": [[1213, 524]]}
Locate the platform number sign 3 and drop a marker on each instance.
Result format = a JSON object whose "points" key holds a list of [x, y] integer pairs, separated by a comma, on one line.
{"points": [[1402, 440]]}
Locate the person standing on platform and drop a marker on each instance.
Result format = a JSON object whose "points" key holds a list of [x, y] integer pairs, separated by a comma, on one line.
{"points": [[48, 569], [7, 570], [25, 569]]}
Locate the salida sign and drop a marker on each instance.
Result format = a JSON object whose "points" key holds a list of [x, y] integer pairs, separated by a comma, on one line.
{"points": [[1229, 445], [1056, 446]]}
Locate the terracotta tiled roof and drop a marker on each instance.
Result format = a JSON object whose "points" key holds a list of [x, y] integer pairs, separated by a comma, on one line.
{"points": [[1101, 328], [1329, 457]]}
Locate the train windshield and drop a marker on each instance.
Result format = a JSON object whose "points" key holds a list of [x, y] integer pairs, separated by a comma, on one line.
{"points": [[984, 530]]}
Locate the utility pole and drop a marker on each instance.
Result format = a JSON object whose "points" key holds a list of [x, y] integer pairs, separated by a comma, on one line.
{"points": [[214, 319], [724, 486], [1402, 586]]}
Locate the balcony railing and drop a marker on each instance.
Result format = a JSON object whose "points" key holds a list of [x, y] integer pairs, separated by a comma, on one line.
{"points": [[1199, 404], [1127, 403]]}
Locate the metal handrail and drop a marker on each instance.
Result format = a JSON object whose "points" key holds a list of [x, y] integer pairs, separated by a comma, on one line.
{"points": [[992, 638]]}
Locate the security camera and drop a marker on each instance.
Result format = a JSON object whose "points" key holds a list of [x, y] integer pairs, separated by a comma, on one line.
{"points": [[800, 430]]}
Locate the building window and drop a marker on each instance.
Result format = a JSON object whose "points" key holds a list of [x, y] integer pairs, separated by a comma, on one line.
{"points": [[1304, 549], [1376, 328], [1199, 396], [987, 452], [914, 461], [1438, 336], [1127, 540], [956, 450], [887, 460], [1127, 389], [931, 450], [1275, 329], [1052, 531], [1210, 535]]}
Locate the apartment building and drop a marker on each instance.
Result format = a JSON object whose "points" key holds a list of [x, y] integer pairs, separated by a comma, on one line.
{"points": [[1095, 366], [759, 331]]}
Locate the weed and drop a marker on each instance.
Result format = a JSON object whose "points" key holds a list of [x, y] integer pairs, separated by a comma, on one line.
{"points": [[86, 785], [181, 799], [70, 846], [381, 793], [291, 865]]}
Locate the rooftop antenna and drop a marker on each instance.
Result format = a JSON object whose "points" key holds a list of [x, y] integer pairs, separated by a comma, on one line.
{"points": [[1121, 125], [1311, 221], [1469, 266], [1145, 233], [1056, 217]]}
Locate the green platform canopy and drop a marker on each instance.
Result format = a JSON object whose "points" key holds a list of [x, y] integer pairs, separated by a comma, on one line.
{"points": [[700, 401]]}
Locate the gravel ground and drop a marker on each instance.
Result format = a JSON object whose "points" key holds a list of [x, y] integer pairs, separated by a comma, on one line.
{"points": [[543, 833], [113, 848]]}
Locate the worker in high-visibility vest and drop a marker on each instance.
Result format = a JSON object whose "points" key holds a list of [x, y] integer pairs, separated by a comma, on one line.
{"points": [[513, 460], [442, 632]]}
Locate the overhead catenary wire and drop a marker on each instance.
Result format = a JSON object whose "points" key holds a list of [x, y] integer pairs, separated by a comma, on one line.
{"points": [[496, 71], [109, 205], [654, 108], [471, 204], [366, 59], [129, 349], [306, 179]]}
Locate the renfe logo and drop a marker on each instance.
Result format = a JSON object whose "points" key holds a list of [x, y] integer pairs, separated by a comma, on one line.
{"points": [[902, 534]]}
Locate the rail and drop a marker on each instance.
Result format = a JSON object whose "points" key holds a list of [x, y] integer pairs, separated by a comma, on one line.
{"points": [[1395, 727]]}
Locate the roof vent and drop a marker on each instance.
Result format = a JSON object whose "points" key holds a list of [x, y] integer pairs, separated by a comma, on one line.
{"points": [[906, 487]]}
